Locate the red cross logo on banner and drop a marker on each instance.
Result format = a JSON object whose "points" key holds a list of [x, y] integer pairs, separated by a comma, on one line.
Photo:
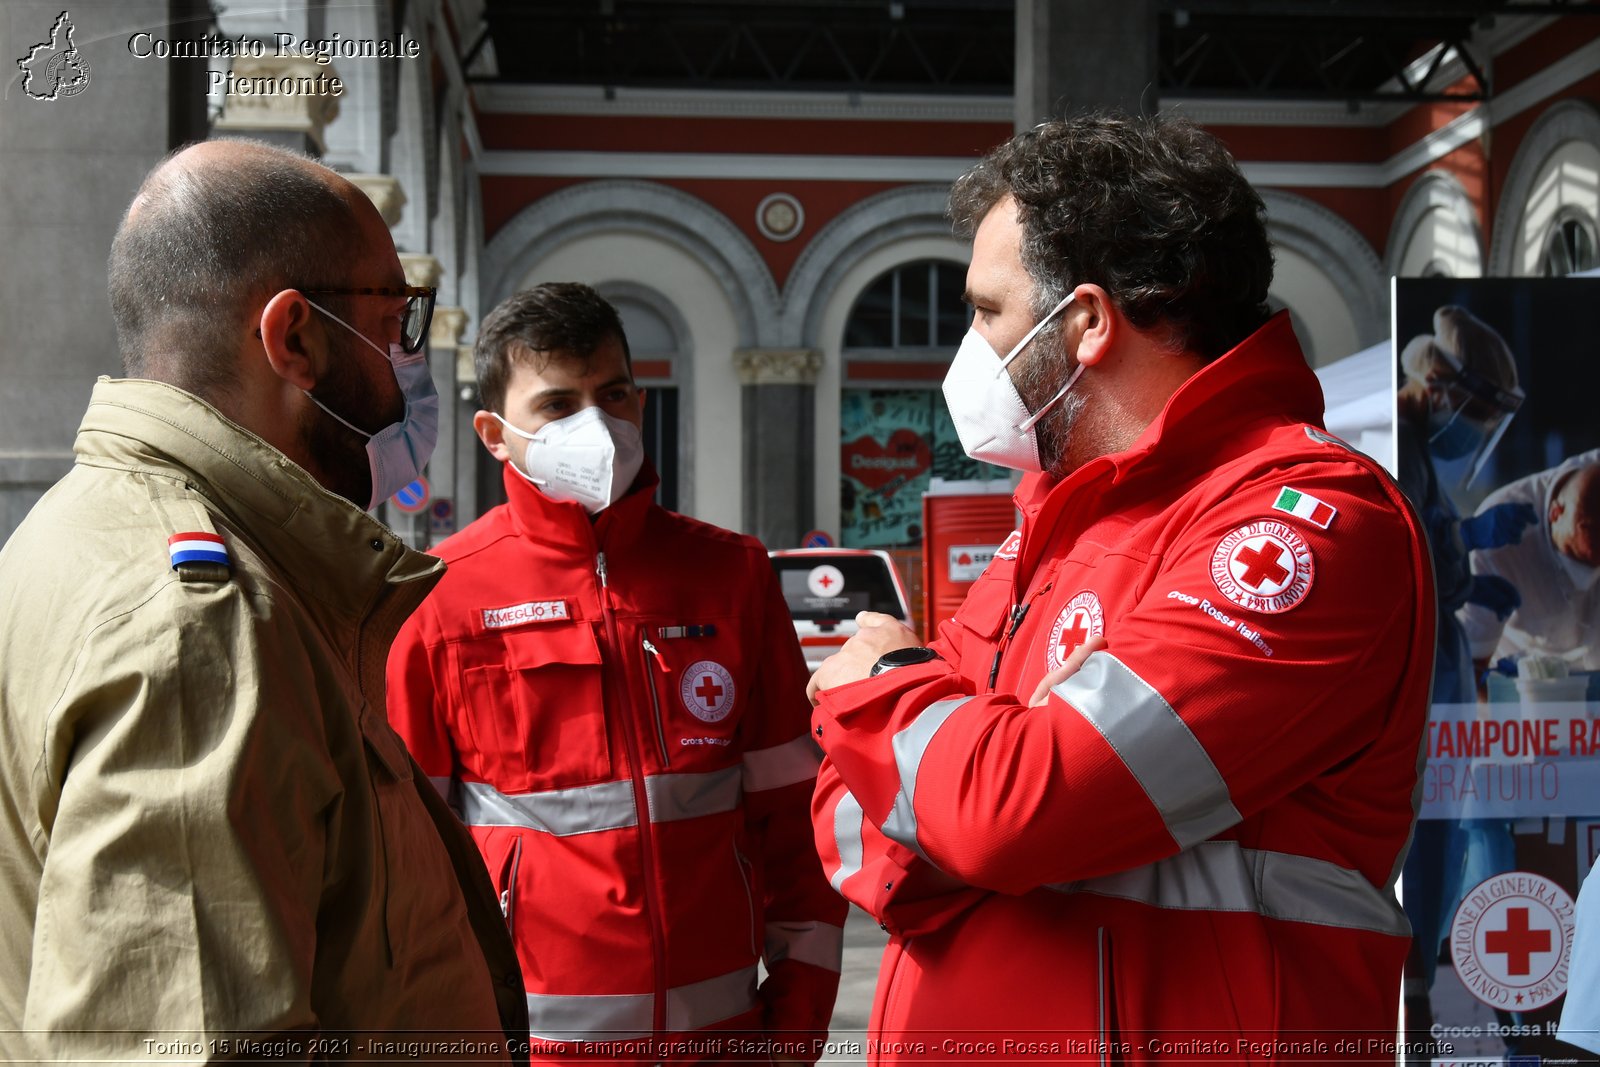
{"points": [[1517, 942], [708, 690], [1512, 934], [1081, 619], [1264, 566]]}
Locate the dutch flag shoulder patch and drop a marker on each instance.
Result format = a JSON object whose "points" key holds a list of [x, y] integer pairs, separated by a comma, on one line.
{"points": [[197, 547]]}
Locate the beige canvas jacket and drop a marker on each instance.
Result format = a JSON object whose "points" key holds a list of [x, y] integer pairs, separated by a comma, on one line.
{"points": [[209, 835]]}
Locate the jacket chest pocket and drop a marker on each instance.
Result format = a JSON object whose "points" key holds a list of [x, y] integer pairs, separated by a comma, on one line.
{"points": [[537, 702], [697, 686]]}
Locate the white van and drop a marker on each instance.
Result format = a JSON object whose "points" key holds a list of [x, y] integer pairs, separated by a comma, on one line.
{"points": [[825, 587]]}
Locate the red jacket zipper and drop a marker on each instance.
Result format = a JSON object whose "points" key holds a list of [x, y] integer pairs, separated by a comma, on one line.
{"points": [[641, 804]]}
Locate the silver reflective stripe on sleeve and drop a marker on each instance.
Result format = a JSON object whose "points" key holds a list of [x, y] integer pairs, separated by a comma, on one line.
{"points": [[1223, 876], [909, 745], [441, 785], [847, 818], [606, 806], [689, 796], [781, 765], [603, 1018], [816, 943], [1155, 744]]}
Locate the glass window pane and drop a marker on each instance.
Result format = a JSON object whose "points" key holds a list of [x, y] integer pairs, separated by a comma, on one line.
{"points": [[1582, 246], [868, 586], [914, 309], [1569, 247], [871, 322], [954, 317], [660, 433]]}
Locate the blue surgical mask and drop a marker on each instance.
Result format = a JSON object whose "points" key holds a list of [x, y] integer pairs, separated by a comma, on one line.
{"points": [[397, 453], [1453, 437]]}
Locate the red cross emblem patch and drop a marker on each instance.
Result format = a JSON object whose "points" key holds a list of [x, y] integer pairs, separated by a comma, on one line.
{"points": [[708, 690], [1512, 937], [1080, 620], [1264, 566]]}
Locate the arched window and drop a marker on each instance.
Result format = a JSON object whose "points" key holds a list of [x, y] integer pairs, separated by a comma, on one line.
{"points": [[917, 305], [1569, 246], [895, 433], [659, 348]]}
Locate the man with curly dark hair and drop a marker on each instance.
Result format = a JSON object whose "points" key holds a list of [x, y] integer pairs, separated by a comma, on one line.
{"points": [[1147, 793]]}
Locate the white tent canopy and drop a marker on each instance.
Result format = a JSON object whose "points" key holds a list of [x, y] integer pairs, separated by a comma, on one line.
{"points": [[1359, 393]]}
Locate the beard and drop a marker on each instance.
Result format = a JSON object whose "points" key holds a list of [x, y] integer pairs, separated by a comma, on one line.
{"points": [[337, 455], [1041, 377]]}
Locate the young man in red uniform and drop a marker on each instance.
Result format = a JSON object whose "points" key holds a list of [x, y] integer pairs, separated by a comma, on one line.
{"points": [[612, 697], [1146, 795]]}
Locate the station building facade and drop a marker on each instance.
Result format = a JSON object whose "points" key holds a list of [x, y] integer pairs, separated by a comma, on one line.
{"points": [[781, 259]]}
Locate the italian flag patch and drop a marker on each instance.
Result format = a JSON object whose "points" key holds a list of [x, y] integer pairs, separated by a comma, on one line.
{"points": [[1305, 506]]}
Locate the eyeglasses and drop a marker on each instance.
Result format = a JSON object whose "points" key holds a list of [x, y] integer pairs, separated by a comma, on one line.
{"points": [[418, 314]]}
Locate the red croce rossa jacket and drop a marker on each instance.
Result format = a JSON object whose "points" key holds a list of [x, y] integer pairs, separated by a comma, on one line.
{"points": [[1188, 852], [617, 710]]}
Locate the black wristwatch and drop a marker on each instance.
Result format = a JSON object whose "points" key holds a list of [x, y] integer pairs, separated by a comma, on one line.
{"points": [[902, 657]]}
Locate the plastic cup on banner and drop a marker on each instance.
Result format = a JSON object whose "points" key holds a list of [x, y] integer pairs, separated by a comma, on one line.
{"points": [[1560, 699], [1553, 690]]}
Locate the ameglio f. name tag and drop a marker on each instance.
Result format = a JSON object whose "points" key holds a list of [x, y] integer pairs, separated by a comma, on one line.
{"points": [[521, 614]]}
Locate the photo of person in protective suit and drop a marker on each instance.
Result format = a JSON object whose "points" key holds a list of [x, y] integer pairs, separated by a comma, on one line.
{"points": [[1458, 397]]}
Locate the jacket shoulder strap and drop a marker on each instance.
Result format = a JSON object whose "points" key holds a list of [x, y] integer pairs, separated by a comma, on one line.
{"points": [[194, 547]]}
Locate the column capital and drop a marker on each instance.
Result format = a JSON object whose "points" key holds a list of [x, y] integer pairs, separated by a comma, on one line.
{"points": [[421, 268], [448, 325], [777, 366], [285, 94], [385, 192], [466, 369]]}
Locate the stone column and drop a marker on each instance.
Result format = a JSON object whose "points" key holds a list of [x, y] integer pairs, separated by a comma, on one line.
{"points": [[284, 100], [385, 192], [779, 396], [77, 143], [1079, 55], [421, 269], [450, 469], [470, 455]]}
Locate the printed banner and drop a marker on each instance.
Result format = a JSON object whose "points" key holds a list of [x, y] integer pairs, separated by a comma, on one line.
{"points": [[1512, 761], [891, 443], [1498, 447]]}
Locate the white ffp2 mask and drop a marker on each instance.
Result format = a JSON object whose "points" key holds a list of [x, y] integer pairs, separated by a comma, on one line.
{"points": [[989, 415], [589, 457]]}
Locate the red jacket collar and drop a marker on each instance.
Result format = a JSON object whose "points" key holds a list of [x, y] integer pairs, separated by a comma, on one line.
{"points": [[1263, 379], [562, 523], [1263, 376]]}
